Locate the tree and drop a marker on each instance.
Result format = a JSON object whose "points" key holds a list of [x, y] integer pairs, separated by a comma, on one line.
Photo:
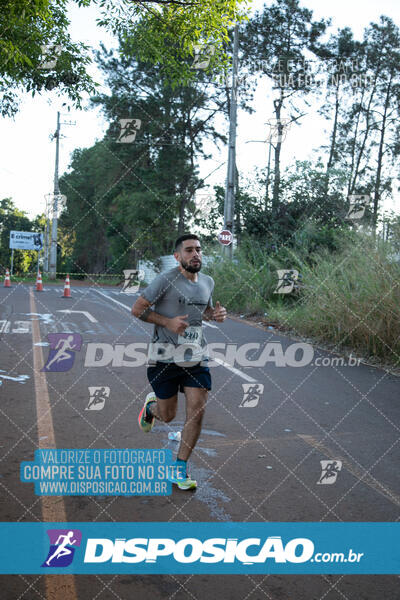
{"points": [[306, 216], [175, 119], [283, 32], [167, 32], [36, 52], [130, 200], [342, 59], [370, 126], [35, 34], [12, 219]]}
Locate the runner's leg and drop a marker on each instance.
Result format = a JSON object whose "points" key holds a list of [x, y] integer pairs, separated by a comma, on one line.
{"points": [[196, 399], [164, 409]]}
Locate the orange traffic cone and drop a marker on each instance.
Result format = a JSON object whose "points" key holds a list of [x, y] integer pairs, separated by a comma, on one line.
{"points": [[39, 284], [67, 288], [7, 281]]}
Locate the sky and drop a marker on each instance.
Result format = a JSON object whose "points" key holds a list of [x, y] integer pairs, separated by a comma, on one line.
{"points": [[27, 153]]}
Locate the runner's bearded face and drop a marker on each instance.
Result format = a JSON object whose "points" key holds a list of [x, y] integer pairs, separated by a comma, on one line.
{"points": [[190, 256]]}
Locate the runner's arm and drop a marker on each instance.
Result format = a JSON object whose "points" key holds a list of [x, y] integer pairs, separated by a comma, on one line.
{"points": [[218, 313], [141, 309], [208, 313]]}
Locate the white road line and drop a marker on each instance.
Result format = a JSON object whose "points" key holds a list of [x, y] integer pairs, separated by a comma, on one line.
{"points": [[234, 370], [113, 300], [218, 360], [19, 327], [83, 312], [5, 326], [53, 507], [210, 325]]}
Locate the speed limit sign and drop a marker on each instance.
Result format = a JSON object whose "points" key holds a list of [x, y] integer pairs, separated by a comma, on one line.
{"points": [[225, 237]]}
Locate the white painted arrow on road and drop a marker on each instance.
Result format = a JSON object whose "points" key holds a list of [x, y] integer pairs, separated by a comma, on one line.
{"points": [[82, 312]]}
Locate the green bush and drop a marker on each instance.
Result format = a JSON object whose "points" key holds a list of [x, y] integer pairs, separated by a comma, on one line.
{"points": [[350, 297]]}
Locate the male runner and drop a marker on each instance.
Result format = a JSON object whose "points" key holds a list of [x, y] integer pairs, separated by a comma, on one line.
{"points": [[182, 297]]}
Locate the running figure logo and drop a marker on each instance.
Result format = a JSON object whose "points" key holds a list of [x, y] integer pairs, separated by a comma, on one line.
{"points": [[129, 129], [287, 280], [358, 204], [62, 351], [278, 130], [330, 470], [98, 396], [251, 394], [132, 279], [62, 547], [50, 55], [202, 56]]}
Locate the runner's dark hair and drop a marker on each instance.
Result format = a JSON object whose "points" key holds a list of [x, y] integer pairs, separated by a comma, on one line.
{"points": [[183, 238]]}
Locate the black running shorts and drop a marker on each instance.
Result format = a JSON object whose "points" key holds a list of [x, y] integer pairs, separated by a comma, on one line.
{"points": [[167, 378]]}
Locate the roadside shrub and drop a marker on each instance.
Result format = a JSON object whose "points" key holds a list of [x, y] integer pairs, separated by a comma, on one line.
{"points": [[351, 298]]}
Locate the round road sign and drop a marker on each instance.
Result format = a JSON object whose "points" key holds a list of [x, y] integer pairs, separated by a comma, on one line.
{"points": [[225, 237]]}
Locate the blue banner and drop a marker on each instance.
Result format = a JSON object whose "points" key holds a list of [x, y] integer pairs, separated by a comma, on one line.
{"points": [[214, 548], [103, 472]]}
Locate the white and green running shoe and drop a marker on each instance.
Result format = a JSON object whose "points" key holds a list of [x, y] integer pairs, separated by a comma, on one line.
{"points": [[183, 482], [144, 424]]}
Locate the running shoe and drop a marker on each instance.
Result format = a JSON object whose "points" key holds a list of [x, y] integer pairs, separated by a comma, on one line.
{"points": [[144, 424], [184, 483]]}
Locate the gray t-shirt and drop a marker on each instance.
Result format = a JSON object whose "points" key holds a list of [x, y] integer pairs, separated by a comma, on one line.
{"points": [[173, 295]]}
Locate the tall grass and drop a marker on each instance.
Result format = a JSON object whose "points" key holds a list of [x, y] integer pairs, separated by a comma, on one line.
{"points": [[350, 297], [244, 284]]}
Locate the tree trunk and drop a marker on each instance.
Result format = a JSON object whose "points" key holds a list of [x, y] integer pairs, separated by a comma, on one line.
{"points": [[236, 208], [333, 140], [364, 141], [354, 143], [277, 152], [181, 222], [380, 155]]}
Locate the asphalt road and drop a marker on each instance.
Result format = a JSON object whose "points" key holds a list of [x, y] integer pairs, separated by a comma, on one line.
{"points": [[252, 463]]}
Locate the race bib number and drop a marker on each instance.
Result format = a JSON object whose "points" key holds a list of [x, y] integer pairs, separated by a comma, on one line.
{"points": [[193, 336], [192, 339]]}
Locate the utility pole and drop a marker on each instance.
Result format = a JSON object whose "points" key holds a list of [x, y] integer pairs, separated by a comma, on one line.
{"points": [[47, 234], [53, 244], [229, 205], [52, 250]]}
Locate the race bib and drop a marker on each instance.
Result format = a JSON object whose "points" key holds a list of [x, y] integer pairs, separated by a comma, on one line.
{"points": [[192, 339], [193, 335]]}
